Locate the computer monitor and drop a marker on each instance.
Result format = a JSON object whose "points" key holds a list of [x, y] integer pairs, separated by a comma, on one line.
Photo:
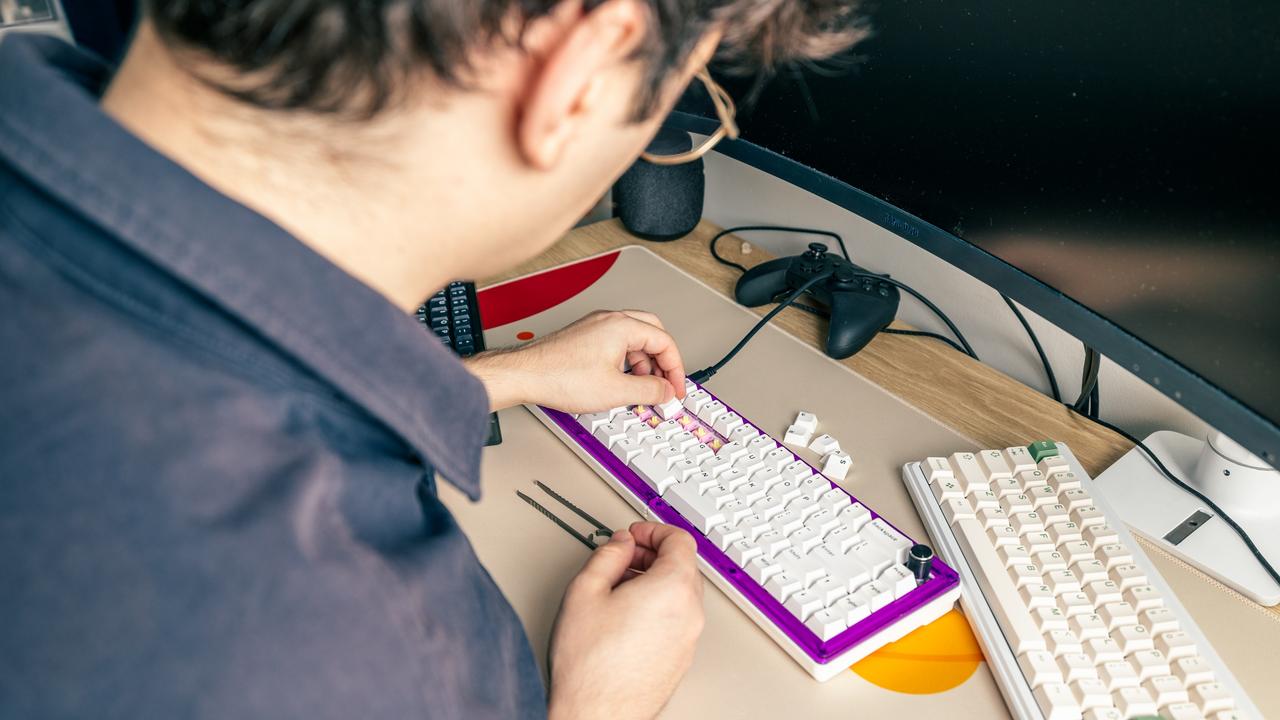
{"points": [[1113, 166]]}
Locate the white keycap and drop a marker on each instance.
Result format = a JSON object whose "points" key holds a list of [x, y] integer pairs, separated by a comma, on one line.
{"points": [[797, 470], [892, 541], [753, 526], [994, 465], [1103, 650], [1166, 690], [824, 521], [772, 543], [806, 421], [626, 449], [749, 463], [1149, 664], [700, 510], [1193, 670], [768, 506], [1007, 605], [1020, 459], [805, 539], [1212, 697], [743, 434], [854, 612], [1077, 666], [968, 472], [778, 459], [936, 468], [654, 472], [782, 584], [748, 492], [732, 451], [830, 589], [669, 409], [881, 595], [1063, 642], [762, 446], [1117, 674], [1056, 701], [696, 400], [1143, 597], [1133, 638], [807, 568], [836, 465], [1134, 702], [827, 623], [899, 579], [804, 603], [742, 552], [1039, 667], [1176, 644], [762, 568], [1160, 621], [1091, 693], [593, 421], [727, 423], [1183, 711], [711, 412], [855, 516], [824, 444], [845, 566], [835, 499], [724, 534], [735, 511]]}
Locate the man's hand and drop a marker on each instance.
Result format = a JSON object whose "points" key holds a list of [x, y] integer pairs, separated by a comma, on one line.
{"points": [[582, 367], [622, 640]]}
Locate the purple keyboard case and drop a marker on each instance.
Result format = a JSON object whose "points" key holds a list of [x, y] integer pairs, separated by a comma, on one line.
{"points": [[943, 580]]}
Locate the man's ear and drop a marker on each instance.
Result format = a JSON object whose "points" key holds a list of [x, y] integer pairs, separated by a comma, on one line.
{"points": [[568, 85]]}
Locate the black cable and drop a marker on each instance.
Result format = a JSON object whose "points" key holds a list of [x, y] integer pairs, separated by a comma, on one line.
{"points": [[968, 349], [1095, 400], [1089, 378], [1262, 560], [925, 333], [1035, 341], [772, 228], [705, 374]]}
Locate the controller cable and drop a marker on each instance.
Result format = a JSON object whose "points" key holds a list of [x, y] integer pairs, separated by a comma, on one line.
{"points": [[964, 345], [706, 374]]}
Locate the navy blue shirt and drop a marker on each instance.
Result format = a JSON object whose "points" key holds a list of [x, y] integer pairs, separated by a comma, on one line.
{"points": [[216, 452]]}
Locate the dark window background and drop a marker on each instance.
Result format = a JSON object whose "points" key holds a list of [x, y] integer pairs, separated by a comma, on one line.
{"points": [[1123, 152]]}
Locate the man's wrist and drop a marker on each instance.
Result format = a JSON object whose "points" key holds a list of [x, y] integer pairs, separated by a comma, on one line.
{"points": [[503, 375]]}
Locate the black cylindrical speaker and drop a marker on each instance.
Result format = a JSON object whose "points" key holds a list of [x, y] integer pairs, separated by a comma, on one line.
{"points": [[661, 202]]}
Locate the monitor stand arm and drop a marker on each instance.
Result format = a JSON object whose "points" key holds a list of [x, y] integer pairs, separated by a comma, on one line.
{"points": [[1236, 480]]}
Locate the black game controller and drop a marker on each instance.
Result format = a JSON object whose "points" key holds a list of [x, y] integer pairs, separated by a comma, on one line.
{"points": [[861, 305]]}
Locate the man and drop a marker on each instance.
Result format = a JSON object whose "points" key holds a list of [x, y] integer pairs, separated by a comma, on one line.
{"points": [[221, 426]]}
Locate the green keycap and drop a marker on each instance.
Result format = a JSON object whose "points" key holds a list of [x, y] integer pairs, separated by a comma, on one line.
{"points": [[1041, 449]]}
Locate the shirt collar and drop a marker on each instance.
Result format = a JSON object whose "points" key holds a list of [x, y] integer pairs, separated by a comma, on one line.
{"points": [[53, 132]]}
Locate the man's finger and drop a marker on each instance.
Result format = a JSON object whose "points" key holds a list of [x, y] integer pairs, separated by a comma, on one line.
{"points": [[643, 390], [640, 363], [674, 549], [661, 347], [607, 565]]}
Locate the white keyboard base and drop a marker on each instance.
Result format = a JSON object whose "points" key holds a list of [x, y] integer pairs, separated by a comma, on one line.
{"points": [[1004, 665]]}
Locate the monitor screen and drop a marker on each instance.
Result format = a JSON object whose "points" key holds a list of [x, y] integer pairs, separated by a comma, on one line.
{"points": [[1126, 154]]}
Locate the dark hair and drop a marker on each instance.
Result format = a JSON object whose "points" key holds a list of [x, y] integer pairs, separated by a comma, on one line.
{"points": [[351, 57]]}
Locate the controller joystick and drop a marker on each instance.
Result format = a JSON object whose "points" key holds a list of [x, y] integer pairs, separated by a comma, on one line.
{"points": [[861, 306]]}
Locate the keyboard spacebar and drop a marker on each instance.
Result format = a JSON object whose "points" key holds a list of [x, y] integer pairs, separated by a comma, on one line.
{"points": [[1002, 595]]}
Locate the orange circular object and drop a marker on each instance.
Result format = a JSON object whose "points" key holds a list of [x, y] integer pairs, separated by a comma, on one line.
{"points": [[933, 659], [524, 335]]}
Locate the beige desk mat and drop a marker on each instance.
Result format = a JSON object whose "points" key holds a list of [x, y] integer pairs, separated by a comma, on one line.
{"points": [[739, 672]]}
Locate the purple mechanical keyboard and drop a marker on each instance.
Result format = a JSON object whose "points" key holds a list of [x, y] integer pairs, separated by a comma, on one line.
{"points": [[819, 571]]}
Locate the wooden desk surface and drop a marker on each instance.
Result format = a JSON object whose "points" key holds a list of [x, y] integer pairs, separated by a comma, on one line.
{"points": [[976, 400]]}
